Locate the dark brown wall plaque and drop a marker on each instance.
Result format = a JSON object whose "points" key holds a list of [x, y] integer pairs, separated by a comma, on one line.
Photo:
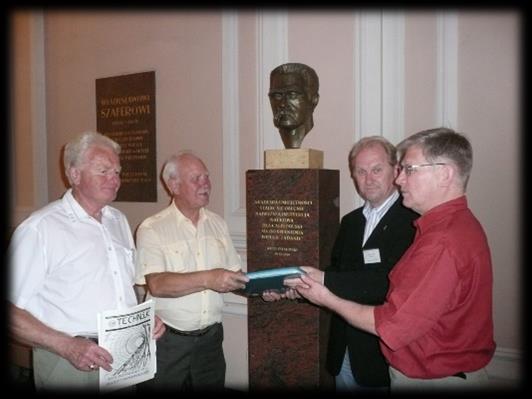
{"points": [[125, 112], [292, 218]]}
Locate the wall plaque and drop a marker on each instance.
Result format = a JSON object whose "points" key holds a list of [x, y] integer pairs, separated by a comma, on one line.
{"points": [[125, 112]]}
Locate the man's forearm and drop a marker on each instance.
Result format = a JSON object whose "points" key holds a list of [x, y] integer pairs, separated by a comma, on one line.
{"points": [[25, 328], [175, 285], [356, 314]]}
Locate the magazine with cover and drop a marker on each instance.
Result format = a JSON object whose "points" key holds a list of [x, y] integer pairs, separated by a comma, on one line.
{"points": [[270, 279], [127, 335]]}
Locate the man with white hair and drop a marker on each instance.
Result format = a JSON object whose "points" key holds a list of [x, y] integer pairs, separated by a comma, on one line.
{"points": [[187, 260], [69, 261]]}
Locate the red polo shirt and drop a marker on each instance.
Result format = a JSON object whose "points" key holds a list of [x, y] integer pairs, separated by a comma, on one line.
{"points": [[437, 318]]}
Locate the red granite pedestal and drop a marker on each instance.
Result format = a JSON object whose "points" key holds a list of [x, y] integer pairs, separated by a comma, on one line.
{"points": [[292, 219]]}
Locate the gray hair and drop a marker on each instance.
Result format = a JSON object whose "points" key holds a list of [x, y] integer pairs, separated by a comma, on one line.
{"points": [[309, 75], [371, 141], [443, 143], [171, 165], [75, 150]]}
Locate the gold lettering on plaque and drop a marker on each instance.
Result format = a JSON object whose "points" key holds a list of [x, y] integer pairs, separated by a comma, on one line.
{"points": [[281, 221], [124, 107]]}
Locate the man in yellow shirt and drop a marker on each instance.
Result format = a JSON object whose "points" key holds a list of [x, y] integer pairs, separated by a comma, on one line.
{"points": [[187, 259]]}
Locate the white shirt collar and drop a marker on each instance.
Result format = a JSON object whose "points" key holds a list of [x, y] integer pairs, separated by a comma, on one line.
{"points": [[76, 211], [382, 208]]}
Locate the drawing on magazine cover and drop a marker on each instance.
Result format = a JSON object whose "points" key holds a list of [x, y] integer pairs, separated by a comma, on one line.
{"points": [[127, 335]]}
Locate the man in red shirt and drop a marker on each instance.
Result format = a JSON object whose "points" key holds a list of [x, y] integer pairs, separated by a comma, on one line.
{"points": [[436, 326]]}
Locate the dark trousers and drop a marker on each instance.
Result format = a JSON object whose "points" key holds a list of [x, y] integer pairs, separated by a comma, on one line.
{"points": [[186, 363]]}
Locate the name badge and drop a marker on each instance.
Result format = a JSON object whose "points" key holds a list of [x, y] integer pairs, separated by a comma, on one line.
{"points": [[372, 256]]}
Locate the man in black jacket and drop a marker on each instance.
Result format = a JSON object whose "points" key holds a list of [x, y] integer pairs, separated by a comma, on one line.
{"points": [[370, 241]]}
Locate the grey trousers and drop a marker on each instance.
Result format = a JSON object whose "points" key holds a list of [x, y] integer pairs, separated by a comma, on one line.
{"points": [[474, 381], [54, 373], [186, 363]]}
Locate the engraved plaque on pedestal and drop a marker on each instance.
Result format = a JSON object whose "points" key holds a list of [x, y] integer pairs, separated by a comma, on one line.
{"points": [[292, 219]]}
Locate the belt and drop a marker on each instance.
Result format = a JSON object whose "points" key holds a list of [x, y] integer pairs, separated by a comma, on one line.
{"points": [[89, 337], [192, 333], [461, 374]]}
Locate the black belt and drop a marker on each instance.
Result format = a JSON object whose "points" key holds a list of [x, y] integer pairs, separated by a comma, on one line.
{"points": [[461, 374], [89, 337], [193, 333]]}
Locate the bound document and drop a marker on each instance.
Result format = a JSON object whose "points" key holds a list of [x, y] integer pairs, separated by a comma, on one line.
{"points": [[269, 279]]}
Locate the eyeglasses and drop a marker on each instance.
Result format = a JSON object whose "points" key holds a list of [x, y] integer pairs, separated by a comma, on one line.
{"points": [[409, 169]]}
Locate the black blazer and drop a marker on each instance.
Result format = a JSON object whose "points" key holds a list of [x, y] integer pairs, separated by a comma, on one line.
{"points": [[350, 278]]}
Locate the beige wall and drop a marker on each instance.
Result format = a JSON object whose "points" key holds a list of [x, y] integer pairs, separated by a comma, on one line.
{"points": [[389, 74], [188, 86], [22, 194], [489, 105]]}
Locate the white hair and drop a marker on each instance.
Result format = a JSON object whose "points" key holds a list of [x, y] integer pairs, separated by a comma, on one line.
{"points": [[171, 166], [75, 150]]}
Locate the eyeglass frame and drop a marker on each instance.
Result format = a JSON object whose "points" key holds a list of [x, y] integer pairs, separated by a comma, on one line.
{"points": [[409, 169]]}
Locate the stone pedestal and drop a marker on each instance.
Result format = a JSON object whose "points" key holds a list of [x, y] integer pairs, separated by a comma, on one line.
{"points": [[293, 158], [292, 220]]}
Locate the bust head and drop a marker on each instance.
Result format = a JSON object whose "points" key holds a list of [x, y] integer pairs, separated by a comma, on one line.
{"points": [[293, 96]]}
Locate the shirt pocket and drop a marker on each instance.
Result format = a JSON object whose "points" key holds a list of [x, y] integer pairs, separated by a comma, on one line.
{"points": [[179, 257], [214, 253]]}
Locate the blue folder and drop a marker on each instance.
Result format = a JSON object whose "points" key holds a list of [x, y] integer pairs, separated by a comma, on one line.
{"points": [[270, 279]]}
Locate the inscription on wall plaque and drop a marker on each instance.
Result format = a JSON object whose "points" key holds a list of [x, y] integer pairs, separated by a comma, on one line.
{"points": [[125, 109]]}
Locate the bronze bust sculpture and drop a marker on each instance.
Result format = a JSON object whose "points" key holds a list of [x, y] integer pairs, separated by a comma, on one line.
{"points": [[293, 96]]}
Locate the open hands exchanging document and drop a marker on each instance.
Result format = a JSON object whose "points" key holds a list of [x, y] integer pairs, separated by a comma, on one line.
{"points": [[310, 286]]}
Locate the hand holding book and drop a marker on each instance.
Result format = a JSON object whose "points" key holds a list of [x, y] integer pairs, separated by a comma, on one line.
{"points": [[271, 280], [292, 283]]}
